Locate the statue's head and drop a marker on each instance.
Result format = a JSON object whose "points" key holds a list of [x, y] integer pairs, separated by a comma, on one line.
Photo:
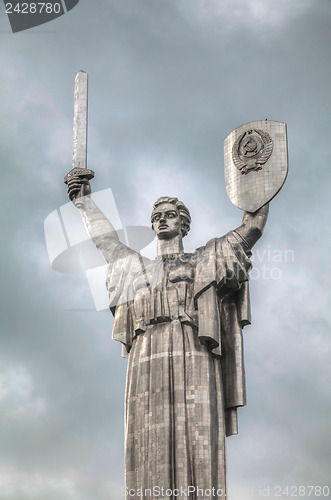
{"points": [[170, 217]]}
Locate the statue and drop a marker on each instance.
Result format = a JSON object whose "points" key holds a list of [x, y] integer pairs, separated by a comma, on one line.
{"points": [[179, 319]]}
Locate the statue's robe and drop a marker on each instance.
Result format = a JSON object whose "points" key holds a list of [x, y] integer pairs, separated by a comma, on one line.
{"points": [[180, 321]]}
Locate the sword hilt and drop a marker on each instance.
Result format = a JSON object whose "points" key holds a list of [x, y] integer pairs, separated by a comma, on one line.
{"points": [[82, 173]]}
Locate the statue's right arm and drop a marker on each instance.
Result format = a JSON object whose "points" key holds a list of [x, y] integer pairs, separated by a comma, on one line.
{"points": [[99, 228]]}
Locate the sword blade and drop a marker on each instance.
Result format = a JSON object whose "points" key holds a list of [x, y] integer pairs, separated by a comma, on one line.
{"points": [[79, 155]]}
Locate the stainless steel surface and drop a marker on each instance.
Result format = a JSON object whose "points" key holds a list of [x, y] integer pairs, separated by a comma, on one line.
{"points": [[255, 163], [79, 155]]}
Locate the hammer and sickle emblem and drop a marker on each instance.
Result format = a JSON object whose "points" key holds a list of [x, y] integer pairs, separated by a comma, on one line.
{"points": [[252, 150]]}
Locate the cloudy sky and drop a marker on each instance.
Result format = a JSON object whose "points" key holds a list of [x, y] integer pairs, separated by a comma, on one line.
{"points": [[168, 80]]}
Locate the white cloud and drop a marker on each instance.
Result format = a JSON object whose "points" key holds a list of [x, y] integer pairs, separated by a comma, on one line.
{"points": [[248, 13], [14, 482], [17, 393], [65, 484]]}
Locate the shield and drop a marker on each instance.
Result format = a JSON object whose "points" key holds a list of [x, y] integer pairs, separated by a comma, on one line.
{"points": [[255, 163]]}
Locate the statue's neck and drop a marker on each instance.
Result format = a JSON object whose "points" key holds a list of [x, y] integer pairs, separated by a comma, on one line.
{"points": [[168, 247]]}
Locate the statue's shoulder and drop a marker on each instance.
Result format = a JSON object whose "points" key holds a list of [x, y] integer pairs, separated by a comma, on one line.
{"points": [[215, 242]]}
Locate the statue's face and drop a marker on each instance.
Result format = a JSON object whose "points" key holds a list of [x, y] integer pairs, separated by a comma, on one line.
{"points": [[166, 221]]}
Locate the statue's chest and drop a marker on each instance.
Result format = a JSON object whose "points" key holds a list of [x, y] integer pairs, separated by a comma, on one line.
{"points": [[164, 291], [162, 273]]}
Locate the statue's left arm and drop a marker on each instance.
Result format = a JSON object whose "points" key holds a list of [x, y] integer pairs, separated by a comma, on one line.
{"points": [[253, 225]]}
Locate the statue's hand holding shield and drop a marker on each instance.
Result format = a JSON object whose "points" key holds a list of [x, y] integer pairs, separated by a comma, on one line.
{"points": [[255, 163]]}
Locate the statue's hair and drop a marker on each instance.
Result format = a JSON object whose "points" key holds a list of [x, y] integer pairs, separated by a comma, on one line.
{"points": [[182, 209]]}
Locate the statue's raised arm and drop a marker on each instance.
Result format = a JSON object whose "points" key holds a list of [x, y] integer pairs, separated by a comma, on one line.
{"points": [[253, 225], [99, 228]]}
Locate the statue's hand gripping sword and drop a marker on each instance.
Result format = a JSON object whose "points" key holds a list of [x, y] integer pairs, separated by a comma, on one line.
{"points": [[79, 156]]}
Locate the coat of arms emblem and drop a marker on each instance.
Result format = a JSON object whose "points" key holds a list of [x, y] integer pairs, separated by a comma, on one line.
{"points": [[251, 150]]}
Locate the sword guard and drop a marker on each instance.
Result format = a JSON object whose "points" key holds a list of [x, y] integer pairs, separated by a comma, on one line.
{"points": [[79, 172]]}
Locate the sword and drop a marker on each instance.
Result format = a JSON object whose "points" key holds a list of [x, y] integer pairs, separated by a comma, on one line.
{"points": [[79, 155]]}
